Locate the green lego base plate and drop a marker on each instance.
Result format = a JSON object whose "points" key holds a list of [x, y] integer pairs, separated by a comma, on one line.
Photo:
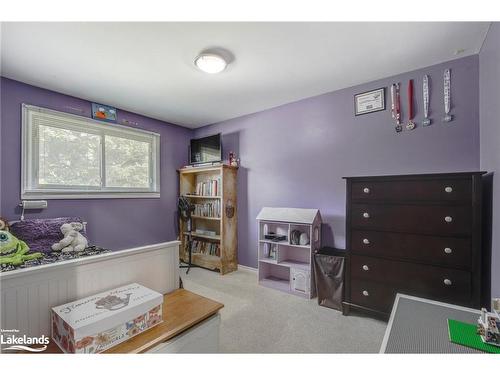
{"points": [[465, 334]]}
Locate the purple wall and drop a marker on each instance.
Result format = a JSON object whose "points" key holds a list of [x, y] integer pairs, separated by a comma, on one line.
{"points": [[292, 155], [295, 155], [489, 78], [113, 223]]}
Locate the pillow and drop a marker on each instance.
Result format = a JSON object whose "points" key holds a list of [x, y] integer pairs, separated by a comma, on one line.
{"points": [[41, 234]]}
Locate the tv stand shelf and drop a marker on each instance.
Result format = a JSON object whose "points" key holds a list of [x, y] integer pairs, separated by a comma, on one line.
{"points": [[209, 168], [284, 265]]}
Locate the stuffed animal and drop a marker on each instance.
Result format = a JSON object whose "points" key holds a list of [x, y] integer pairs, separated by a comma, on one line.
{"points": [[14, 251], [73, 240], [4, 224]]}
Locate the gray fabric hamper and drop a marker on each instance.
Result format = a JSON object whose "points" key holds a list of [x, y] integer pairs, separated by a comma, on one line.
{"points": [[329, 267]]}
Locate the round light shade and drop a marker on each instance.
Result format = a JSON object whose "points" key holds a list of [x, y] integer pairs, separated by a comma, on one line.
{"points": [[210, 63]]}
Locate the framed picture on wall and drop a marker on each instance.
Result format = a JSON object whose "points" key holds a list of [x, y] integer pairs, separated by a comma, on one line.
{"points": [[368, 102], [103, 112]]}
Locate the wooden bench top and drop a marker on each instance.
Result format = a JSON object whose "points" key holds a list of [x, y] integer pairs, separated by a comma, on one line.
{"points": [[182, 310]]}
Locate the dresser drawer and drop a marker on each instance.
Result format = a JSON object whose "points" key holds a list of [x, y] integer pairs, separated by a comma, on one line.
{"points": [[380, 296], [425, 219], [413, 190], [375, 296], [446, 251], [428, 281]]}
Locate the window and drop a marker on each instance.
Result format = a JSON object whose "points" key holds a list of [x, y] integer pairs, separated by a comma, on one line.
{"points": [[67, 156]]}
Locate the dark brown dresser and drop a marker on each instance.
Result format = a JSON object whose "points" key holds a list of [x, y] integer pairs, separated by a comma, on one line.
{"points": [[413, 234]]}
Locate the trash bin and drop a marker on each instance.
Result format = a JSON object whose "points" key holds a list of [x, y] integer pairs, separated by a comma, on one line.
{"points": [[329, 264]]}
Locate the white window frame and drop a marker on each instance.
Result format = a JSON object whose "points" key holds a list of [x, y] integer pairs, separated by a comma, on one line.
{"points": [[30, 162]]}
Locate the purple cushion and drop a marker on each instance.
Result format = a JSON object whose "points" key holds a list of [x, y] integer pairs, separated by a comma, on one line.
{"points": [[41, 234]]}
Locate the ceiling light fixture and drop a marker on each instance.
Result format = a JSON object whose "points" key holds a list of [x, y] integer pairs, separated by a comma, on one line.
{"points": [[210, 63]]}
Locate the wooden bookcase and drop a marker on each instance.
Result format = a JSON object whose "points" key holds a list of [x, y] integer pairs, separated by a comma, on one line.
{"points": [[222, 198], [289, 269]]}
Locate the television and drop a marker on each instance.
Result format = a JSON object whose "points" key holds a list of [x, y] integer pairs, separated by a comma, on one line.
{"points": [[205, 150]]}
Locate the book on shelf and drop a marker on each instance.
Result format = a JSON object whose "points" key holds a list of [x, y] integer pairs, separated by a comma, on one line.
{"points": [[209, 188], [205, 232], [202, 247], [211, 209]]}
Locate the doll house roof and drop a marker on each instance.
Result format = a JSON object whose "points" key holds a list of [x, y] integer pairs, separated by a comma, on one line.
{"points": [[291, 215]]}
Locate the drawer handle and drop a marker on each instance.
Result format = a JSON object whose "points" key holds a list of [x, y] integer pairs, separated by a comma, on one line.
{"points": [[448, 219], [366, 190], [448, 189], [447, 250], [366, 241], [447, 282], [365, 293], [366, 215], [365, 267]]}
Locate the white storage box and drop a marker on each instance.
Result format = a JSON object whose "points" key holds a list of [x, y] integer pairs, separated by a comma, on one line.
{"points": [[101, 321]]}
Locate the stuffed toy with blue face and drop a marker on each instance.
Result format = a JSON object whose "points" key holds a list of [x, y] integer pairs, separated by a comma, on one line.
{"points": [[14, 251]]}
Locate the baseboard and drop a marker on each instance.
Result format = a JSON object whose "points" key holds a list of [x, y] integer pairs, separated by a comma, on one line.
{"points": [[247, 268]]}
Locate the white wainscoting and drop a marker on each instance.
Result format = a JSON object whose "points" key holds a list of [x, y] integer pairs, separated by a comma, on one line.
{"points": [[28, 294]]}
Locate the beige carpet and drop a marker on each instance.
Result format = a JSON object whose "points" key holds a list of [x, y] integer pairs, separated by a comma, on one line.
{"points": [[256, 319]]}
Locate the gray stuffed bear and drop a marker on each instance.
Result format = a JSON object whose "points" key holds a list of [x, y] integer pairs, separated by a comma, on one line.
{"points": [[73, 240]]}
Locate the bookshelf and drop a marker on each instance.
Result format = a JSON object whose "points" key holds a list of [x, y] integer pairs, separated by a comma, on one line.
{"points": [[285, 265], [214, 233]]}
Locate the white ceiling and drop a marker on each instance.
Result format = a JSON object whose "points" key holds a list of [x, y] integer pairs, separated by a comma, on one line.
{"points": [[148, 67]]}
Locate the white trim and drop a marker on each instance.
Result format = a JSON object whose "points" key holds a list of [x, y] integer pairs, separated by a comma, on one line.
{"points": [[86, 260], [81, 195], [389, 325], [91, 120], [247, 268], [437, 303], [419, 299], [29, 188]]}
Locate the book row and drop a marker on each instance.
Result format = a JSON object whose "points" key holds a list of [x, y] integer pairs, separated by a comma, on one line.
{"points": [[203, 247], [212, 209], [209, 187]]}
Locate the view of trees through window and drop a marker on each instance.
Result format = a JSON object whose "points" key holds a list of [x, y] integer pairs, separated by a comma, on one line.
{"points": [[73, 158], [68, 157], [127, 162]]}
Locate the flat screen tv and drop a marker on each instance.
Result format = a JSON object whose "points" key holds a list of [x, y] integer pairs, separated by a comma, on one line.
{"points": [[205, 150]]}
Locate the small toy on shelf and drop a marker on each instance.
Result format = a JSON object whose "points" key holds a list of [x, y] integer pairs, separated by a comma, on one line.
{"points": [[4, 224], [233, 160], [488, 326], [14, 251], [272, 251]]}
